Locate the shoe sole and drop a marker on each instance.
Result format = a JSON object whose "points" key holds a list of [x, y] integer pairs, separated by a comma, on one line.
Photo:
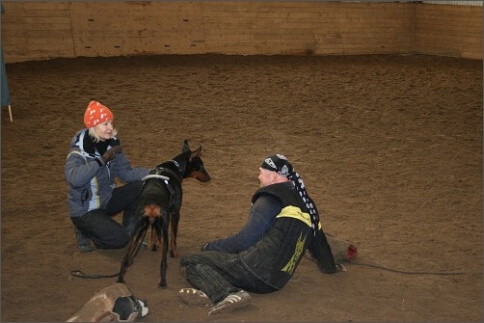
{"points": [[191, 296], [228, 307]]}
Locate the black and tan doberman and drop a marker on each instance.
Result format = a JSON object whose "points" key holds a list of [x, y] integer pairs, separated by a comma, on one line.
{"points": [[159, 207]]}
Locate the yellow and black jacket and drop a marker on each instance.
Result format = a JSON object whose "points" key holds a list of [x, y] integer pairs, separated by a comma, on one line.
{"points": [[275, 257]]}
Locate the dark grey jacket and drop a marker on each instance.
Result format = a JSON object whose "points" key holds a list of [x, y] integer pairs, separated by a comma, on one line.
{"points": [[91, 182]]}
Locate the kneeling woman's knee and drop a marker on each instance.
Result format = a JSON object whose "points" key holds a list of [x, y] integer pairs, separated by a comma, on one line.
{"points": [[118, 241], [122, 240]]}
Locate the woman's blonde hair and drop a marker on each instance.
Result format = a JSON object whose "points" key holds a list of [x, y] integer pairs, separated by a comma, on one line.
{"points": [[96, 138]]}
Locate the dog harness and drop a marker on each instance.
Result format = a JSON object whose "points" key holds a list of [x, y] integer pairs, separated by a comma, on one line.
{"points": [[157, 175], [165, 178]]}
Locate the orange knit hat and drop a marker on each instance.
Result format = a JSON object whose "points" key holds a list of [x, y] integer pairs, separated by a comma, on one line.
{"points": [[96, 113]]}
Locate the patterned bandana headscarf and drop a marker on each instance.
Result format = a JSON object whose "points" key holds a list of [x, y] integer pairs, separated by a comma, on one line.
{"points": [[96, 113], [278, 163]]}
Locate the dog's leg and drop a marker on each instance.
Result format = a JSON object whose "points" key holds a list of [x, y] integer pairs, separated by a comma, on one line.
{"points": [[175, 218], [164, 260], [155, 236], [153, 212], [160, 227], [136, 239]]}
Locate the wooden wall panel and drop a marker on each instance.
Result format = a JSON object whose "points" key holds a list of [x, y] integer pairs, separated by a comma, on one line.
{"points": [[443, 30], [43, 30], [36, 30]]}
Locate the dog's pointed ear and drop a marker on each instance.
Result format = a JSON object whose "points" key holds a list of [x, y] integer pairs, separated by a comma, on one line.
{"points": [[196, 152], [186, 147]]}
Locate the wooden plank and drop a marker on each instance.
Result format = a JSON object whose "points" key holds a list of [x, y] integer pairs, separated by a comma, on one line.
{"points": [[121, 28]]}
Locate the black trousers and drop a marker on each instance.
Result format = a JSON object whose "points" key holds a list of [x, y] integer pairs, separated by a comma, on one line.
{"points": [[219, 274], [102, 229]]}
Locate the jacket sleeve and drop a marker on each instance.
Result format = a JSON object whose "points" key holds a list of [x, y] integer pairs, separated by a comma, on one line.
{"points": [[79, 170], [320, 251], [261, 216], [127, 173]]}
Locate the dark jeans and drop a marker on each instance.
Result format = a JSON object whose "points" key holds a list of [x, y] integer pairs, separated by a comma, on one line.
{"points": [[219, 274], [102, 229]]}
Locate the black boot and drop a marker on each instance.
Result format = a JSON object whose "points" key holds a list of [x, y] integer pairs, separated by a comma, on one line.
{"points": [[84, 244]]}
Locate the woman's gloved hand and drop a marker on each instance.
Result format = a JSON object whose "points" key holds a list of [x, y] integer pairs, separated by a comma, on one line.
{"points": [[111, 154]]}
